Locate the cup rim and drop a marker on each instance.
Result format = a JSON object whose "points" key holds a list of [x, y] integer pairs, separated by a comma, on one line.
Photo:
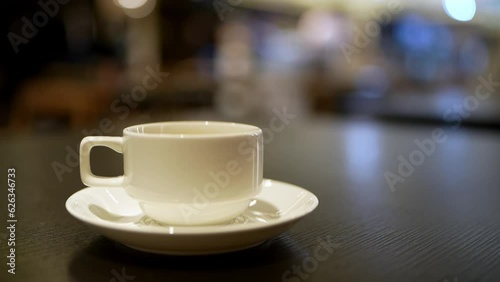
{"points": [[250, 130]]}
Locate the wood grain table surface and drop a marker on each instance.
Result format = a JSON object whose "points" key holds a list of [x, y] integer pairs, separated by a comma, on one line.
{"points": [[436, 221]]}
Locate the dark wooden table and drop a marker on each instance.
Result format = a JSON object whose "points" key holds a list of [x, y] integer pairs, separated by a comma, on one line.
{"points": [[442, 223]]}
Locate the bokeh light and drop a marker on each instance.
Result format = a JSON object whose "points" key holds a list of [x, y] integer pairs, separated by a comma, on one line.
{"points": [[136, 8], [460, 10]]}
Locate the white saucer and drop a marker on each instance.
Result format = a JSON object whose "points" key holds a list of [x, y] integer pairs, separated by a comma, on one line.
{"points": [[117, 216]]}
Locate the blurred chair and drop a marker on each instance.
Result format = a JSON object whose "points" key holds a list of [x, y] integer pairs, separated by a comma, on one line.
{"points": [[68, 94]]}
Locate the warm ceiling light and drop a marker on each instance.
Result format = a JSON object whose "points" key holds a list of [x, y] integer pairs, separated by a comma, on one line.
{"points": [[136, 8], [131, 4]]}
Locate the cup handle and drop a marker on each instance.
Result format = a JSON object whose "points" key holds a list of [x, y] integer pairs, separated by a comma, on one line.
{"points": [[90, 179]]}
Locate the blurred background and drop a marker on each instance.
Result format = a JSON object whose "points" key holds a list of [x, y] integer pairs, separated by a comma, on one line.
{"points": [[97, 66]]}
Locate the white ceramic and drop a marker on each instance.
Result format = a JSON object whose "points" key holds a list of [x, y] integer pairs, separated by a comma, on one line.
{"points": [[185, 172], [114, 214]]}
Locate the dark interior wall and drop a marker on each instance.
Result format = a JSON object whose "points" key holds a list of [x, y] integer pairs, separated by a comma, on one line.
{"points": [[187, 29]]}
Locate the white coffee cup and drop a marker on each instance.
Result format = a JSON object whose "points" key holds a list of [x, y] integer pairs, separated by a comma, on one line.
{"points": [[184, 173]]}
